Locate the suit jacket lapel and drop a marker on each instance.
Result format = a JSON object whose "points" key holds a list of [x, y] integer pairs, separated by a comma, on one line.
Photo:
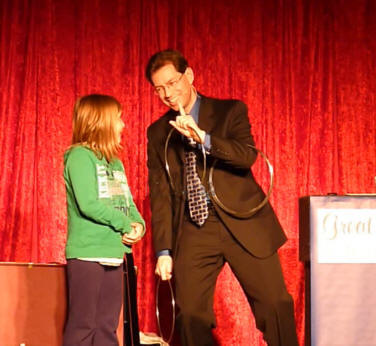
{"points": [[176, 138], [206, 122], [206, 115]]}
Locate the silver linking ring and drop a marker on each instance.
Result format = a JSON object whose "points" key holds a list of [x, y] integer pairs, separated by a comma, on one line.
{"points": [[157, 310], [213, 194], [167, 166], [249, 213]]}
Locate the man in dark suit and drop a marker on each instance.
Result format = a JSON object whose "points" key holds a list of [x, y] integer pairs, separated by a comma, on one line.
{"points": [[195, 245]]}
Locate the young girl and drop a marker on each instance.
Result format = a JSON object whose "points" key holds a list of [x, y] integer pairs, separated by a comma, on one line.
{"points": [[103, 222]]}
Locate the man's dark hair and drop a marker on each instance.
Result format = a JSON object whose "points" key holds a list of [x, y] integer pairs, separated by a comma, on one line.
{"points": [[164, 57]]}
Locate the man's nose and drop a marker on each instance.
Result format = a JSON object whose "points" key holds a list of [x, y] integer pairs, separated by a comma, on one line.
{"points": [[168, 92]]}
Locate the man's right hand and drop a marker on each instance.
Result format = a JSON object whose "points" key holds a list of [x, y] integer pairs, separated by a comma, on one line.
{"points": [[164, 267]]}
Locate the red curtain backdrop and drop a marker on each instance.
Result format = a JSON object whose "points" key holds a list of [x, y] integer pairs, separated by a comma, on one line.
{"points": [[306, 69]]}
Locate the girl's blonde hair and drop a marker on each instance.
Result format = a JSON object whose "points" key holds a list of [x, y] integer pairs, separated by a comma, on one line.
{"points": [[94, 120]]}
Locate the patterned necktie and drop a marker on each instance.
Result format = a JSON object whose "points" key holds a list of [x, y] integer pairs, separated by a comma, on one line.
{"points": [[197, 203]]}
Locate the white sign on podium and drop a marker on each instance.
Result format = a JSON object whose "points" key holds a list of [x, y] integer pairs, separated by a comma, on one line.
{"points": [[346, 235], [342, 255]]}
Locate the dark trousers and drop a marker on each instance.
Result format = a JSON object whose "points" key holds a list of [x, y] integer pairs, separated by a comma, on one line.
{"points": [[95, 297], [201, 255]]}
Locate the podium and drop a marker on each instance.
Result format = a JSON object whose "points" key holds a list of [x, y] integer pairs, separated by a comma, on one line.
{"points": [[32, 304], [338, 248]]}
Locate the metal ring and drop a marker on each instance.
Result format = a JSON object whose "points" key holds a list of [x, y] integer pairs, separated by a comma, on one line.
{"points": [[167, 166], [249, 213], [157, 310], [241, 215]]}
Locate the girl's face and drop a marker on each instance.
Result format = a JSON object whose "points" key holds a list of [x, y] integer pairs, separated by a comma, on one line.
{"points": [[119, 126]]}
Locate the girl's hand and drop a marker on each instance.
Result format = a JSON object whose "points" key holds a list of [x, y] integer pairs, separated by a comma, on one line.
{"points": [[135, 235]]}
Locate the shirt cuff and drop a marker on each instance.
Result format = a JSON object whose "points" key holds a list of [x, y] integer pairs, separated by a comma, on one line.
{"points": [[165, 252], [207, 142]]}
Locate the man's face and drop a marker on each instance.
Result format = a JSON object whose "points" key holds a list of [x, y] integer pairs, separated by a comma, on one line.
{"points": [[172, 86]]}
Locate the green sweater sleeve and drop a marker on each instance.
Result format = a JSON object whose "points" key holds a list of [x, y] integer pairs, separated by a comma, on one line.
{"points": [[81, 171], [134, 215]]}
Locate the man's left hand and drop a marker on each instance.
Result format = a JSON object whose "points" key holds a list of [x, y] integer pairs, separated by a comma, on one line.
{"points": [[186, 125]]}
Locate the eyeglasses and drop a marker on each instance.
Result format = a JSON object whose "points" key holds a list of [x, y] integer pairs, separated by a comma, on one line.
{"points": [[160, 90]]}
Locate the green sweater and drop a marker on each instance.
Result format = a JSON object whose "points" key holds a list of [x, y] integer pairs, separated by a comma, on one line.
{"points": [[100, 205]]}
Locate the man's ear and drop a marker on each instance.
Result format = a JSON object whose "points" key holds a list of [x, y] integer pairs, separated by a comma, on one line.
{"points": [[190, 75]]}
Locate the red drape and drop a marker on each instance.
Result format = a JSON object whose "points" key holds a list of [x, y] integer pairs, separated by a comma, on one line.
{"points": [[306, 69]]}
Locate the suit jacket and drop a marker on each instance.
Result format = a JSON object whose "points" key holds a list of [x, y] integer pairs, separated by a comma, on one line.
{"points": [[228, 125]]}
